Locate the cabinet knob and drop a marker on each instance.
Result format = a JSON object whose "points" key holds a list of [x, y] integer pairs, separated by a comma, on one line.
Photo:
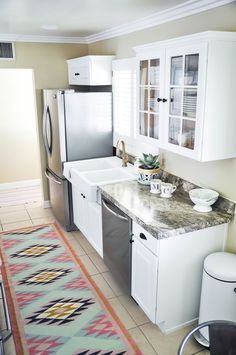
{"points": [[142, 236], [76, 74], [161, 100], [235, 289]]}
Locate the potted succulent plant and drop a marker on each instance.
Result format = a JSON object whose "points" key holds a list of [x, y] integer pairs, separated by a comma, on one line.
{"points": [[149, 168]]}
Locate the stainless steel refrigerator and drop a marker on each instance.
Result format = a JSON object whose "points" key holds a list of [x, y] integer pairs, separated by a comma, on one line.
{"points": [[76, 126]]}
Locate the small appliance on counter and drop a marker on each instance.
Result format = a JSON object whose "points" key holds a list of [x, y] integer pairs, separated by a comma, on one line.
{"points": [[76, 126]]}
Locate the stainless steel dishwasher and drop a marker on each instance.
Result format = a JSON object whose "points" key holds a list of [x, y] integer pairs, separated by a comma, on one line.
{"points": [[116, 227]]}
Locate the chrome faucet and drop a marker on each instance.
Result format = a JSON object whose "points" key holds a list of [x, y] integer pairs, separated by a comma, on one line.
{"points": [[124, 156]]}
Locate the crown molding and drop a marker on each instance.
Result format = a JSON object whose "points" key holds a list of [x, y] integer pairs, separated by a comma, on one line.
{"points": [[185, 9], [42, 39], [206, 35]]}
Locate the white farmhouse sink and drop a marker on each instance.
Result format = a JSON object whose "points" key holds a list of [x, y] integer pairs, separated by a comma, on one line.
{"points": [[106, 176], [87, 175], [91, 165]]}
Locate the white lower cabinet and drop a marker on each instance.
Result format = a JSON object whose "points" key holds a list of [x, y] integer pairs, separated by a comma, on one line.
{"points": [[167, 273], [95, 227], [144, 278], [88, 218], [80, 209]]}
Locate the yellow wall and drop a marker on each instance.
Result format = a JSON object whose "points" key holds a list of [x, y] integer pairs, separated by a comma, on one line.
{"points": [[221, 19], [19, 153], [219, 175], [48, 60]]}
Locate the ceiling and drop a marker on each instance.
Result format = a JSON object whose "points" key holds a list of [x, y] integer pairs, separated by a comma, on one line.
{"points": [[77, 18]]}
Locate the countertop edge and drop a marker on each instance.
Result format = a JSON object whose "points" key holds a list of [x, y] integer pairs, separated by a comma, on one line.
{"points": [[160, 234]]}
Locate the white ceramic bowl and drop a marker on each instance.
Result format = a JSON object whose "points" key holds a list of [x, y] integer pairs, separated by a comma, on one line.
{"points": [[203, 199]]}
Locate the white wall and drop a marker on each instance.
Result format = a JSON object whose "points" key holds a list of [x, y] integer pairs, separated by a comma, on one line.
{"points": [[19, 151]]}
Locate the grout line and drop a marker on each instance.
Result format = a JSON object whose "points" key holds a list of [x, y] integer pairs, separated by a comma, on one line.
{"points": [[28, 214], [147, 339], [22, 220]]}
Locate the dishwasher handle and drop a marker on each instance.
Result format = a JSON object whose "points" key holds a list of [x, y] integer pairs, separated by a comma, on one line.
{"points": [[113, 212]]}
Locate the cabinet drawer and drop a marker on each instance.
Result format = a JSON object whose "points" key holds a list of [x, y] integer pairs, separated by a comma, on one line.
{"points": [[146, 238]]}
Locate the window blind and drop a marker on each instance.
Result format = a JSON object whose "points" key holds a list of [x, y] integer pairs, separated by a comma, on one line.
{"points": [[124, 97]]}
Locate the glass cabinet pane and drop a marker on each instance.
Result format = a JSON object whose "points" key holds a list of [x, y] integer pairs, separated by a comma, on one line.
{"points": [[154, 126], [190, 103], [188, 134], [174, 130], [176, 101], [176, 74], [155, 72], [153, 104], [191, 69], [143, 124], [144, 72], [143, 102]]}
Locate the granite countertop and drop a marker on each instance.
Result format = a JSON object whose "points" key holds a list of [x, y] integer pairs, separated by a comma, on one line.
{"points": [[166, 217]]}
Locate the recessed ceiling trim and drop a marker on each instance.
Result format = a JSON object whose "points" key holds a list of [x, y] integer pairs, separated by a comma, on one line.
{"points": [[42, 39], [185, 9]]}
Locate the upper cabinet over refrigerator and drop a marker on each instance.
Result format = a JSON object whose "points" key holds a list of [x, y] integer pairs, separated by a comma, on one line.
{"points": [[92, 70], [186, 96]]}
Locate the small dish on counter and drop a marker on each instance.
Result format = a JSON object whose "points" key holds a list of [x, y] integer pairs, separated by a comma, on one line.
{"points": [[203, 199]]}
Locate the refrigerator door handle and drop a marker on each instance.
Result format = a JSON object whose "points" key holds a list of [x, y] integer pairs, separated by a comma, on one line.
{"points": [[50, 178], [47, 135]]}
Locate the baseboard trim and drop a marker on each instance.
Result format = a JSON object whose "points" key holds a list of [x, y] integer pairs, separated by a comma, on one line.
{"points": [[19, 184], [174, 329], [46, 204]]}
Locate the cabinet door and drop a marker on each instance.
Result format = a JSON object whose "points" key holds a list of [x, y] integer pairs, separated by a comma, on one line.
{"points": [[144, 278], [78, 72], [95, 226], [185, 74], [80, 210], [150, 95]]}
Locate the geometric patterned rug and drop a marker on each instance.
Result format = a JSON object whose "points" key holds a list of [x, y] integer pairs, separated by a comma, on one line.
{"points": [[55, 306]]}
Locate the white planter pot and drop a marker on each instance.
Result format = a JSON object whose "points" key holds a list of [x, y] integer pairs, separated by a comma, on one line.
{"points": [[146, 175]]}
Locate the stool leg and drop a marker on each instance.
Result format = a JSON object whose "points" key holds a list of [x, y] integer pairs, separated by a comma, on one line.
{"points": [[2, 352]]}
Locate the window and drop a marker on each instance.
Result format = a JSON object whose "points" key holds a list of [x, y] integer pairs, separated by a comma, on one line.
{"points": [[124, 98]]}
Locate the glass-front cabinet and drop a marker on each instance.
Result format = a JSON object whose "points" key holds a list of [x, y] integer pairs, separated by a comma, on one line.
{"points": [[186, 97], [183, 96], [169, 98], [149, 97]]}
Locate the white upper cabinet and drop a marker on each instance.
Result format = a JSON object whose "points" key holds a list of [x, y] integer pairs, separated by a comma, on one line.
{"points": [[186, 95], [90, 70], [151, 85]]}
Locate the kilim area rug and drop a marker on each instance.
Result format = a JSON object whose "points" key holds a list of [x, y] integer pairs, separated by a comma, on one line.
{"points": [[55, 306]]}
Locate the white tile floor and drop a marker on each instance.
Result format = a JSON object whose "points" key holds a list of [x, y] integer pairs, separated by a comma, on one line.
{"points": [[148, 336]]}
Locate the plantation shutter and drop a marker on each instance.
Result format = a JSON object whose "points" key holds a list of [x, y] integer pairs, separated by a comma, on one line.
{"points": [[124, 98]]}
